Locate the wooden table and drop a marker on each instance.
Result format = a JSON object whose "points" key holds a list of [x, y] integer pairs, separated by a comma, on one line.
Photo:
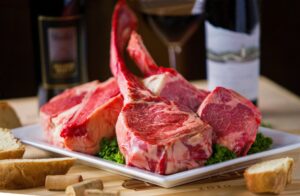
{"points": [[279, 108]]}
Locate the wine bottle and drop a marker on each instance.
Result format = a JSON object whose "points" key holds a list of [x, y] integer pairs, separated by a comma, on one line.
{"points": [[61, 36], [232, 44]]}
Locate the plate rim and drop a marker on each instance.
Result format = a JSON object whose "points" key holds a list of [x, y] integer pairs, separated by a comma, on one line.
{"points": [[166, 181]]}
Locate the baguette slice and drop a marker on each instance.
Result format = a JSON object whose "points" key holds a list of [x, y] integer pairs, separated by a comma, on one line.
{"points": [[269, 176], [10, 148], [27, 173], [8, 117]]}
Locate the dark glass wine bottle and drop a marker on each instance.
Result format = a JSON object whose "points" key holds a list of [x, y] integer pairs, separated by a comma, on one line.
{"points": [[232, 43], [61, 47]]}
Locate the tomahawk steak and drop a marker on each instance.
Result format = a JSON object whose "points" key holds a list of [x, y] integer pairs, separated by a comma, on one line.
{"points": [[165, 82], [153, 133]]}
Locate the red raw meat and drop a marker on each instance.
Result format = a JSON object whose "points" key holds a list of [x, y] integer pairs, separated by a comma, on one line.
{"points": [[94, 120], [58, 106], [165, 82], [82, 127], [235, 120], [153, 133]]}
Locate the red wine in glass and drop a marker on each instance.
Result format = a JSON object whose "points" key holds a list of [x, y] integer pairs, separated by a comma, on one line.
{"points": [[174, 22]]}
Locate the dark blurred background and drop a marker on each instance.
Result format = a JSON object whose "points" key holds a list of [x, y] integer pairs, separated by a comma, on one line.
{"points": [[20, 66]]}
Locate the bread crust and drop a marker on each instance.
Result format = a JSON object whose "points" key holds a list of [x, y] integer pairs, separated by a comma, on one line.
{"points": [[28, 173], [12, 154], [269, 181], [8, 116], [273, 182], [9, 152]]}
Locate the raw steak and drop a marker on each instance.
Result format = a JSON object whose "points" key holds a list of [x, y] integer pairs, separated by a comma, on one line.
{"points": [[59, 106], [235, 120], [165, 82], [82, 127], [94, 120], [153, 133]]}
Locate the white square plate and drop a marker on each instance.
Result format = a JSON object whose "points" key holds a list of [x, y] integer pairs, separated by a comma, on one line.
{"points": [[282, 144]]}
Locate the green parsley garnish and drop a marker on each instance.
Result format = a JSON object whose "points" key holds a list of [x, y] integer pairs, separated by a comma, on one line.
{"points": [[220, 154], [261, 143], [110, 151]]}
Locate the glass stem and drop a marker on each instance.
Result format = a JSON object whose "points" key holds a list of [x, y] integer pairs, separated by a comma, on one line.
{"points": [[174, 50]]}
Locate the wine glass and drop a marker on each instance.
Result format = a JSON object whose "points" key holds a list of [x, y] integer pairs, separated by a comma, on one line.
{"points": [[174, 22]]}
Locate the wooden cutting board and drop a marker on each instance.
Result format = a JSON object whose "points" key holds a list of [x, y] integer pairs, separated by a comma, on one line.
{"points": [[127, 186], [226, 184]]}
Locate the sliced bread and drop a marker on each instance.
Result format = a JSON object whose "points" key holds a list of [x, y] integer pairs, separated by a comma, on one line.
{"points": [[269, 176], [10, 148], [8, 117], [27, 173]]}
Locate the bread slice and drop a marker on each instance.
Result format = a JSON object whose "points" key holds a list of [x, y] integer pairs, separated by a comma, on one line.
{"points": [[269, 176], [27, 173], [8, 117], [10, 148]]}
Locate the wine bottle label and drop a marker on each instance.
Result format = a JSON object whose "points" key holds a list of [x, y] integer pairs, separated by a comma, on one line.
{"points": [[233, 60], [60, 50]]}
